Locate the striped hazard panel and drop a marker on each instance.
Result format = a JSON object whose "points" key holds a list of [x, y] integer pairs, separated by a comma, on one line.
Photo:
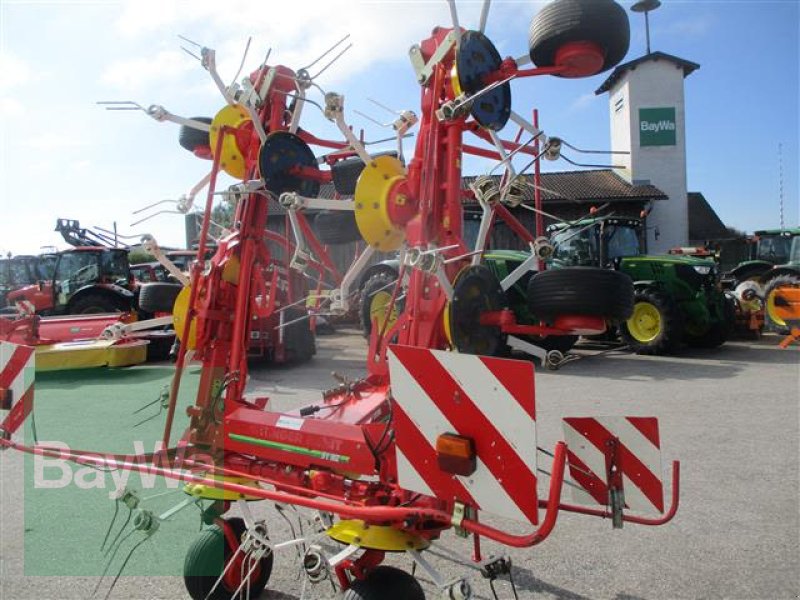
{"points": [[625, 448], [16, 385], [488, 400]]}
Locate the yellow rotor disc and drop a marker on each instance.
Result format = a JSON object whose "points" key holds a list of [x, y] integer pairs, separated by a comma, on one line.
{"points": [[371, 200], [232, 160], [376, 537], [180, 313]]}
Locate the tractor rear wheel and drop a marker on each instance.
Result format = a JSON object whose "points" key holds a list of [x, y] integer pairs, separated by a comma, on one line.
{"points": [[158, 297], [206, 560], [190, 138], [97, 303], [385, 583], [375, 298], [298, 337], [772, 321], [656, 326]]}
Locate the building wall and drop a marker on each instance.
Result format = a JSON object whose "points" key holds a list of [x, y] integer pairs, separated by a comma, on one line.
{"points": [[654, 84]]}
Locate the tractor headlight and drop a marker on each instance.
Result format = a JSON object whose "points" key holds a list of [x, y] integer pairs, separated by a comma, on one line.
{"points": [[702, 269]]}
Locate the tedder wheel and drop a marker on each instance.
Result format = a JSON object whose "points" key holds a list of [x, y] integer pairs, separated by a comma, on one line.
{"points": [[190, 138], [158, 297], [476, 290], [206, 559], [375, 298], [656, 326], [97, 303], [600, 22], [298, 337], [719, 331], [337, 227], [385, 583], [772, 321], [581, 291]]}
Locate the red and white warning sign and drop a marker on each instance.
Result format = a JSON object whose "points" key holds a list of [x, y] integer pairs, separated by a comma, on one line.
{"points": [[620, 451], [488, 401], [17, 369]]}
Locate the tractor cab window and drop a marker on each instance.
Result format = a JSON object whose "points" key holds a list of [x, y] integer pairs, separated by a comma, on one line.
{"points": [[577, 247], [46, 266], [621, 241], [794, 253], [19, 272], [77, 269], [115, 268], [774, 249]]}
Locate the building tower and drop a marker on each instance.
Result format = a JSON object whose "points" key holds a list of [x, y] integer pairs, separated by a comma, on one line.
{"points": [[647, 114]]}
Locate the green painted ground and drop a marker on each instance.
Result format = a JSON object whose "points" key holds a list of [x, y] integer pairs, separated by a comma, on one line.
{"points": [[67, 507]]}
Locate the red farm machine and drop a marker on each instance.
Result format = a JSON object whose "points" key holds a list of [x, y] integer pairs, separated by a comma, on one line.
{"points": [[429, 438]]}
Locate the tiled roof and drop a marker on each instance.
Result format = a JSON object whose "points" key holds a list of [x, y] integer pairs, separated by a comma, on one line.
{"points": [[687, 66], [571, 186]]}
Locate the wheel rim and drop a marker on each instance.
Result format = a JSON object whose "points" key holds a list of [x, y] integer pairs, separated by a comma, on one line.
{"points": [[772, 311], [645, 324], [378, 305]]}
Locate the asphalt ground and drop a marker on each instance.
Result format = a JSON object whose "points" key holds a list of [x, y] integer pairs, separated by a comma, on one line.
{"points": [[730, 416]]}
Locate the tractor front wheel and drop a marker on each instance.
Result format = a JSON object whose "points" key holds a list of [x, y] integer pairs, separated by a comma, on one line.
{"points": [[207, 558], [719, 331], [385, 583], [772, 320], [656, 326], [97, 303]]}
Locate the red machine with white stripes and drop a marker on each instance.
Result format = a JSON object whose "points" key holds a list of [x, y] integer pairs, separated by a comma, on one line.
{"points": [[431, 438]]}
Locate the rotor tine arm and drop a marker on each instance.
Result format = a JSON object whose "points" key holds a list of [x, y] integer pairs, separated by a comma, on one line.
{"points": [[454, 17], [333, 60], [244, 57], [484, 15], [324, 54], [153, 205], [209, 62]]}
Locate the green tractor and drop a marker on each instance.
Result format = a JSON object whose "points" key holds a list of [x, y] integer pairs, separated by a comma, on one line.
{"points": [[676, 298], [774, 263]]}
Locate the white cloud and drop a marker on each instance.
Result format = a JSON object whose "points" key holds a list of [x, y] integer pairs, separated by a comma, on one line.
{"points": [[10, 107], [49, 142], [297, 36], [16, 72], [583, 101], [139, 73]]}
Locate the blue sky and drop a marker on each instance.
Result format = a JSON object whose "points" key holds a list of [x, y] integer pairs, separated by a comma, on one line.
{"points": [[63, 156]]}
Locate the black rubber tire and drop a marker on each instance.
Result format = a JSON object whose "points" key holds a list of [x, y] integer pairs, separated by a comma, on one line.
{"points": [[190, 138], [94, 303], [720, 330], [336, 227], [671, 332], [476, 290], [376, 283], [158, 297], [298, 337], [205, 561], [581, 291], [782, 280], [603, 22], [158, 349], [385, 583]]}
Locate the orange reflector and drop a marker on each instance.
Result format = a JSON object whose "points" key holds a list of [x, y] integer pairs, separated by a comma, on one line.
{"points": [[455, 454]]}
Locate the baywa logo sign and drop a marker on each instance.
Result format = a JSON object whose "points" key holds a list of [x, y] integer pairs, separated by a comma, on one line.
{"points": [[657, 126]]}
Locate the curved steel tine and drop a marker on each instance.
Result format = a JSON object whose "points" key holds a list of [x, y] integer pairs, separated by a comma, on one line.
{"points": [[335, 58], [155, 214], [121, 105], [149, 206], [368, 118], [122, 568], [244, 57], [188, 41], [110, 525], [568, 145], [324, 54], [577, 164], [135, 236]]}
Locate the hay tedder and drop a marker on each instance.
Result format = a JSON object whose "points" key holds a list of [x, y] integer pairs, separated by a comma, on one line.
{"points": [[430, 438]]}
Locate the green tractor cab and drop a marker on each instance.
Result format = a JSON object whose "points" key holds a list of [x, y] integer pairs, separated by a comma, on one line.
{"points": [[677, 298]]}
